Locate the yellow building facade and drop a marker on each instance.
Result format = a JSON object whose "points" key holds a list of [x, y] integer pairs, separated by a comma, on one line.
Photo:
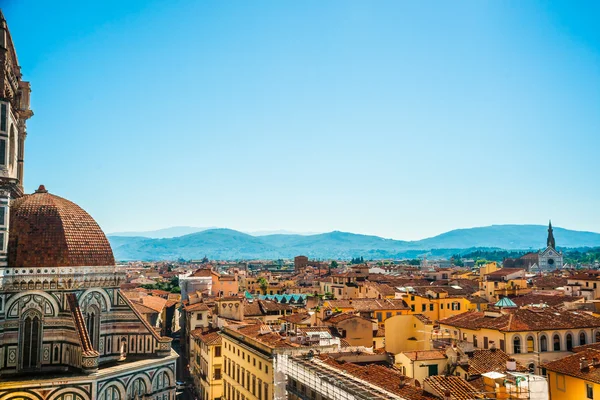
{"points": [[206, 365], [575, 376], [248, 367]]}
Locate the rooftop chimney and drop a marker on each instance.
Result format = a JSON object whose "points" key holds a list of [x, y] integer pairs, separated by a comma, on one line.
{"points": [[492, 345], [402, 381], [583, 364], [447, 395], [511, 364]]}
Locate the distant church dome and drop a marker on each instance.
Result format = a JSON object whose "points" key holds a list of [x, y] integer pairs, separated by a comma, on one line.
{"points": [[49, 231]]}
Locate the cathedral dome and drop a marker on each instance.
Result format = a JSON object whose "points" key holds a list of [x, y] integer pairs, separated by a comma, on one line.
{"points": [[49, 231]]}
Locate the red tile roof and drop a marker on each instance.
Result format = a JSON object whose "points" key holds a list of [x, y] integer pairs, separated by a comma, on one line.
{"points": [[386, 378], [49, 231], [570, 365], [425, 355], [458, 387], [209, 338], [297, 318], [524, 319], [482, 361]]}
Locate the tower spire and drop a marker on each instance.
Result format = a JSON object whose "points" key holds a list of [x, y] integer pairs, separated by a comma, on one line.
{"points": [[551, 242]]}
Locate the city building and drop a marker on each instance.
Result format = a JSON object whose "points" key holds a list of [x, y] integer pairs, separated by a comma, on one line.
{"points": [[206, 364], [532, 336], [576, 376]]}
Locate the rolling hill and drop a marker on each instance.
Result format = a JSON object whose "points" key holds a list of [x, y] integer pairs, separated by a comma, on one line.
{"points": [[228, 244]]}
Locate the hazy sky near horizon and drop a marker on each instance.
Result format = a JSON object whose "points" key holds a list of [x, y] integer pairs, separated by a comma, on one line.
{"points": [[400, 119]]}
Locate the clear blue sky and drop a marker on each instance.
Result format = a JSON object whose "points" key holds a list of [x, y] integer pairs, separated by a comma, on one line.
{"points": [[397, 118]]}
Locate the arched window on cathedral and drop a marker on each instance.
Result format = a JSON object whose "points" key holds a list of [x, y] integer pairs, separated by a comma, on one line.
{"points": [[30, 340], [161, 381], [12, 144], [136, 388], [69, 396], [110, 393], [92, 323]]}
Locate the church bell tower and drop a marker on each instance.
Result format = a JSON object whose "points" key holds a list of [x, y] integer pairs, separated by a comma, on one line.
{"points": [[14, 113]]}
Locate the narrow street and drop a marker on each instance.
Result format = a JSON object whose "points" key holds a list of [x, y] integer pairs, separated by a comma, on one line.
{"points": [[182, 373]]}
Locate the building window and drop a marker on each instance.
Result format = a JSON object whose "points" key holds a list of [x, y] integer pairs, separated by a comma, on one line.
{"points": [[556, 343], [412, 308], [543, 343], [423, 307], [431, 307], [560, 382], [3, 216], [92, 323], [137, 388], [110, 393], [379, 317], [582, 338], [2, 151], [3, 112], [198, 317], [517, 345], [217, 351], [530, 347], [569, 342], [31, 335], [217, 373], [589, 391]]}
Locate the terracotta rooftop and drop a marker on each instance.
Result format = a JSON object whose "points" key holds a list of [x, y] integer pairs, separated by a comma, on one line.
{"points": [[153, 302], [196, 307], [202, 272], [458, 387], [425, 355], [549, 282], [209, 338], [482, 361], [297, 318], [593, 346], [252, 309], [551, 301], [386, 378], [337, 318], [368, 305], [570, 365], [142, 309], [267, 306], [49, 231], [524, 319], [505, 271]]}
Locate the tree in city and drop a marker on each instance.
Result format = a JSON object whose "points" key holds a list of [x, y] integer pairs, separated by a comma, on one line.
{"points": [[263, 284]]}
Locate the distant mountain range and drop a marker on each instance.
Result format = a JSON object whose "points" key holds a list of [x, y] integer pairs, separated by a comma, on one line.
{"points": [[228, 244], [176, 231]]}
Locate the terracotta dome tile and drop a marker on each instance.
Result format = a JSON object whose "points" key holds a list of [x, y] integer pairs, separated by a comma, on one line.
{"points": [[49, 231]]}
